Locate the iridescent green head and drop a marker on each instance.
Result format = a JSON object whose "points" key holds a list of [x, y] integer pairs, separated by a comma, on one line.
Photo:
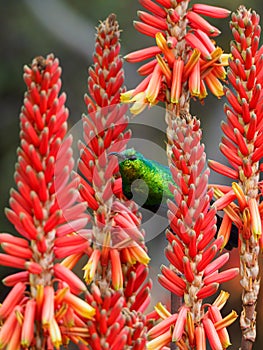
{"points": [[132, 166], [155, 178]]}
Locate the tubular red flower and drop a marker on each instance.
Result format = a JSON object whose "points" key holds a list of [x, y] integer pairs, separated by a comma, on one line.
{"points": [[200, 338], [48, 306], [152, 20], [27, 333], [63, 273], [222, 276], [81, 307], [12, 300], [207, 291], [162, 327], [216, 317], [177, 80], [154, 8], [223, 169], [196, 43], [180, 324], [142, 54], [211, 11], [211, 334], [145, 29], [117, 278], [198, 22], [168, 284]]}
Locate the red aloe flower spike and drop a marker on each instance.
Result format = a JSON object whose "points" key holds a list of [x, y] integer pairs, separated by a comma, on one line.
{"points": [[192, 247], [39, 207], [111, 323], [243, 150], [95, 162], [116, 268]]}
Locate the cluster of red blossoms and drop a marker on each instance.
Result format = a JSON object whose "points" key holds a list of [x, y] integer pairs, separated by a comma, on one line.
{"points": [[183, 63], [242, 146], [119, 258], [185, 59], [43, 305], [192, 251], [62, 214], [49, 211]]}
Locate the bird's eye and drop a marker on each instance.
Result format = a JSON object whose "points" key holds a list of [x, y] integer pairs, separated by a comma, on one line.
{"points": [[133, 157]]}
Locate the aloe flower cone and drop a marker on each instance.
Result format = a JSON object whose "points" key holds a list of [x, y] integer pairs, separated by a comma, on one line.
{"points": [[242, 146], [35, 313], [116, 270], [192, 251], [185, 62]]}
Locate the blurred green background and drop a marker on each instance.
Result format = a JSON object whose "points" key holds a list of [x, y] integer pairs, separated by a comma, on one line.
{"points": [[30, 28]]}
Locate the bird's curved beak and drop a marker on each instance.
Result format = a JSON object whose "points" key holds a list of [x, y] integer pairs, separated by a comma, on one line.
{"points": [[120, 156]]}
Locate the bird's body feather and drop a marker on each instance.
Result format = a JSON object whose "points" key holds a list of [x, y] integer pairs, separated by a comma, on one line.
{"points": [[156, 177]]}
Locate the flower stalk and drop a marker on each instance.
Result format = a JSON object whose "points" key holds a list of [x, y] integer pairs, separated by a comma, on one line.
{"points": [[243, 150]]}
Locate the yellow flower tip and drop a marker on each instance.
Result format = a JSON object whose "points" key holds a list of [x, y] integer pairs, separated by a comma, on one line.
{"points": [[162, 311], [240, 195], [140, 102], [138, 107], [226, 321], [224, 59], [221, 299], [91, 266], [165, 47], [160, 40], [55, 333], [164, 68], [159, 342], [71, 260], [154, 85], [79, 305], [126, 96], [255, 217], [191, 63], [139, 254]]}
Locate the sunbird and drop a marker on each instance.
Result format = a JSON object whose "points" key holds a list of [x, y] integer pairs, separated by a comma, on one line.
{"points": [[153, 191]]}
